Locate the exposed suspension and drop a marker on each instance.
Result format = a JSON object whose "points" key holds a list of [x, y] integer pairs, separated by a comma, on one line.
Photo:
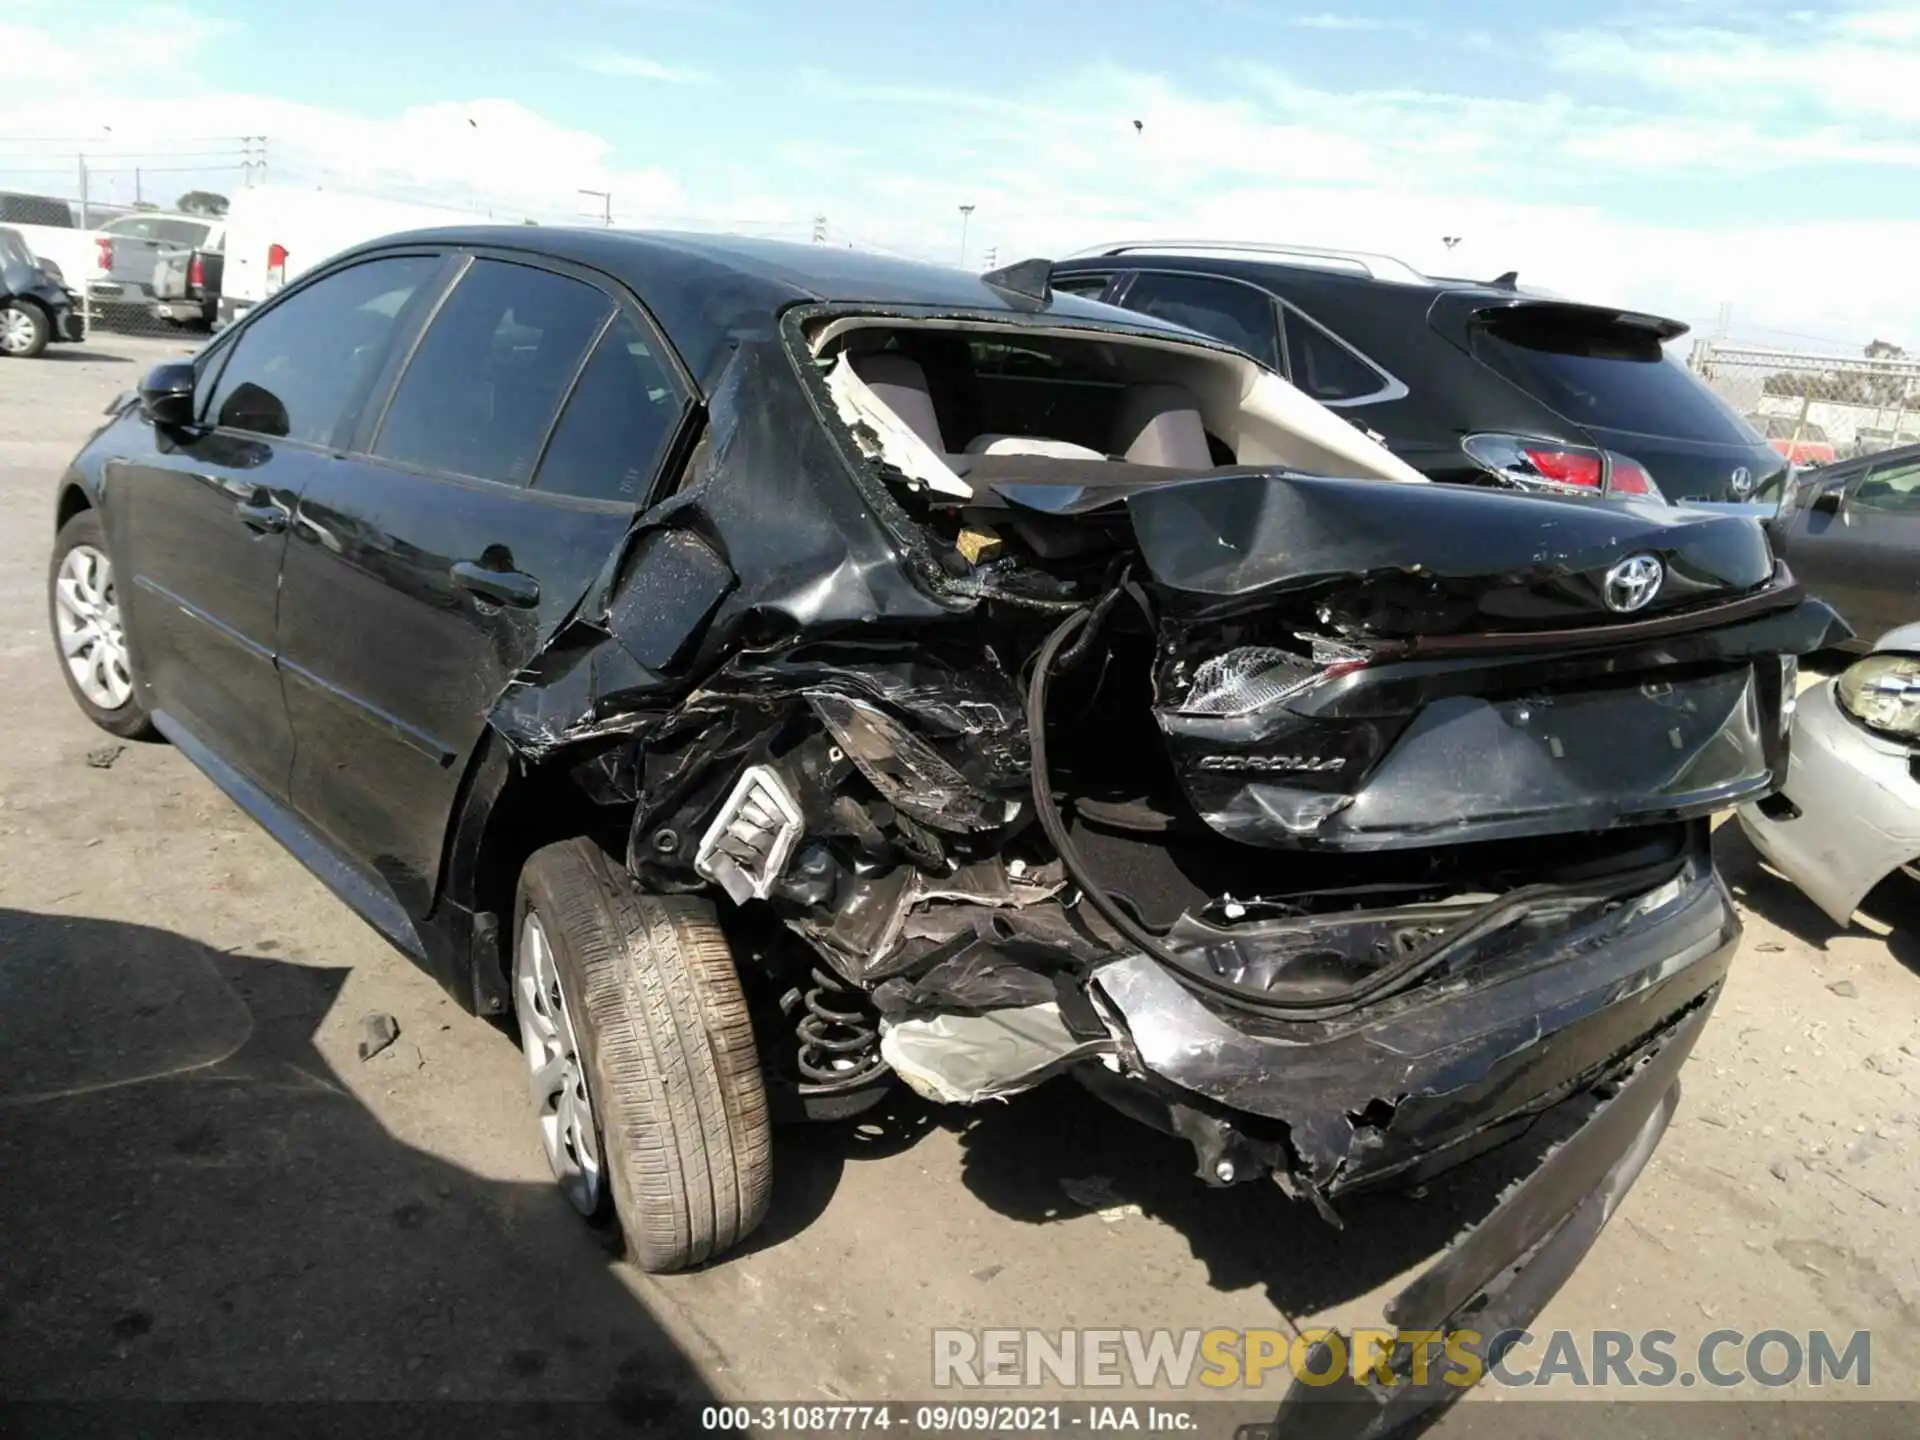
{"points": [[838, 1036]]}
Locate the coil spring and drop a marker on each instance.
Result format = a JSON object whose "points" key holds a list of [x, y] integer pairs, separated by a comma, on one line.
{"points": [[839, 1041]]}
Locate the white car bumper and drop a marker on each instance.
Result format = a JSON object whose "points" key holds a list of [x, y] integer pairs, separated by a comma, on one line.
{"points": [[1859, 808]]}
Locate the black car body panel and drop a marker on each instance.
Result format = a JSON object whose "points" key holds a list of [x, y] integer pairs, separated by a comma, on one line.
{"points": [[1422, 338], [783, 673]]}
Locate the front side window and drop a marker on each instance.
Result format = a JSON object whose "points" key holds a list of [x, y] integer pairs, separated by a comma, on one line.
{"points": [[481, 390], [1325, 368], [301, 363], [1225, 309], [1892, 489], [618, 420]]}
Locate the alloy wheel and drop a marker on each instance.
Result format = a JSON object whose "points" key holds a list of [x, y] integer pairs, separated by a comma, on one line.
{"points": [[556, 1070], [87, 617]]}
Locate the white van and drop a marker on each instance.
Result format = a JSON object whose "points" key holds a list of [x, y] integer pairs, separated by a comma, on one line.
{"points": [[275, 232]]}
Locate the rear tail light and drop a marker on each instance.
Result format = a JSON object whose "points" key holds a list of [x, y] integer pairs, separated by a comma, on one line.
{"points": [[104, 260], [1564, 469], [276, 267], [196, 274]]}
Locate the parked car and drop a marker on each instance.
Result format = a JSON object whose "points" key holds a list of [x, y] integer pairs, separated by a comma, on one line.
{"points": [[688, 644], [35, 308], [128, 255], [1872, 440], [46, 223], [276, 233], [1480, 383], [1800, 441], [186, 283], [1851, 533], [1849, 815]]}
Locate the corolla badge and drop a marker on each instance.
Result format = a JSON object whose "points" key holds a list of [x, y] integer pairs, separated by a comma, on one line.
{"points": [[1740, 482], [1632, 583]]}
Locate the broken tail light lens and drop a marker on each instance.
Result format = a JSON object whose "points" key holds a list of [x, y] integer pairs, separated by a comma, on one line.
{"points": [[1882, 692], [276, 267], [1566, 469], [1252, 677]]}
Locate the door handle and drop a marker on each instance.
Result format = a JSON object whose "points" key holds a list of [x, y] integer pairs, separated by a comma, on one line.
{"points": [[503, 587], [265, 517]]}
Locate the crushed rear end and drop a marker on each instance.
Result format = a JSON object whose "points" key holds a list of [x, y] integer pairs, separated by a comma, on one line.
{"points": [[1346, 828]]}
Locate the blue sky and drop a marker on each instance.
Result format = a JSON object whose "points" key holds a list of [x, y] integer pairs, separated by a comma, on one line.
{"points": [[1687, 155]]}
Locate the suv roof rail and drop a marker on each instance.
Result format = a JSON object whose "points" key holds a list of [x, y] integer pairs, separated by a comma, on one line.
{"points": [[1370, 263]]}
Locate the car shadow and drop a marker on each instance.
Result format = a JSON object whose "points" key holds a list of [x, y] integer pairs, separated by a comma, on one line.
{"points": [[196, 1207], [1894, 901], [83, 352], [1057, 1151]]}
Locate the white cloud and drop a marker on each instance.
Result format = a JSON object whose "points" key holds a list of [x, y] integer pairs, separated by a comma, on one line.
{"points": [[639, 67], [1369, 24]]}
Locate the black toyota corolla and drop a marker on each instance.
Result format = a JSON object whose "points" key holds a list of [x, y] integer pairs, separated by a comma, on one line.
{"points": [[771, 673]]}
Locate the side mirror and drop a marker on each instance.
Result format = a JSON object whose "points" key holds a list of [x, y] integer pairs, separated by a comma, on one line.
{"points": [[166, 395], [1827, 501]]}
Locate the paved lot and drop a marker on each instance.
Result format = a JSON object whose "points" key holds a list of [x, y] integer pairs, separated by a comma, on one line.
{"points": [[205, 1193]]}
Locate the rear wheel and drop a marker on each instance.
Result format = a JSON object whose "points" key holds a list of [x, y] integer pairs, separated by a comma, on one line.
{"points": [[85, 606], [640, 1056], [24, 329]]}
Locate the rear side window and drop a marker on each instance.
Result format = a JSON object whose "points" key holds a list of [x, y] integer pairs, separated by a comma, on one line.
{"points": [[481, 390], [1325, 368], [298, 366], [1089, 286], [185, 233], [1613, 377], [618, 420], [1225, 309]]}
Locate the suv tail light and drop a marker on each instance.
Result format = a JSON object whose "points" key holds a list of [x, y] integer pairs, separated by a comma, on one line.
{"points": [[276, 267], [196, 274], [1563, 469], [104, 259]]}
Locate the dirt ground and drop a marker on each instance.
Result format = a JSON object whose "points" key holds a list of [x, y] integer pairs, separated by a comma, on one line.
{"points": [[205, 1192]]}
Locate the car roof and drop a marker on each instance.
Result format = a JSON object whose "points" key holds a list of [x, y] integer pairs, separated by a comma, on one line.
{"points": [[708, 291], [1258, 267]]}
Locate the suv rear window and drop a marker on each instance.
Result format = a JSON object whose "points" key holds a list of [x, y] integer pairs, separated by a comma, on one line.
{"points": [[1615, 377]]}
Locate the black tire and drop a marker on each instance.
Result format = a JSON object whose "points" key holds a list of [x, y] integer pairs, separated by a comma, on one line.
{"points": [[129, 721], [673, 1072], [37, 321]]}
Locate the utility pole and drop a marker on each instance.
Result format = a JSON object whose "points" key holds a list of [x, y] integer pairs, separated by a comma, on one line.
{"points": [[606, 205], [138, 198], [83, 194], [819, 229], [993, 254], [966, 215]]}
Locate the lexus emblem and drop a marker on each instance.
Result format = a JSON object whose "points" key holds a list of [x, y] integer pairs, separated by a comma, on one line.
{"points": [[1740, 482], [1632, 583]]}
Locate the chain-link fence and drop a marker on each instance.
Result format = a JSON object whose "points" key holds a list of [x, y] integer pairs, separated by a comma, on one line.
{"points": [[137, 236], [1816, 409]]}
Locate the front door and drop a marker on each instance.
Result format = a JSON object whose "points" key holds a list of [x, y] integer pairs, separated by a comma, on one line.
{"points": [[430, 565], [199, 521]]}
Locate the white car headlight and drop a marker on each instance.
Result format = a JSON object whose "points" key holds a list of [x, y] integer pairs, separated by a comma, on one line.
{"points": [[1883, 691]]}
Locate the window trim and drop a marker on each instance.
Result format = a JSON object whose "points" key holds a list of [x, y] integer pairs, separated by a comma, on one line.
{"points": [[1859, 483]]}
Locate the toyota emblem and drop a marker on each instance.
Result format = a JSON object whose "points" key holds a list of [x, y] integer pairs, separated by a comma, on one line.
{"points": [[1632, 583], [1740, 482]]}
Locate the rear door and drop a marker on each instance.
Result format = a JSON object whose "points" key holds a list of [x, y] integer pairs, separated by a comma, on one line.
{"points": [[1865, 559], [198, 518], [523, 430]]}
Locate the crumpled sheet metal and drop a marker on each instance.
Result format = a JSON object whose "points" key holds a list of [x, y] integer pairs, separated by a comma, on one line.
{"points": [[1444, 1059], [965, 1059], [787, 544]]}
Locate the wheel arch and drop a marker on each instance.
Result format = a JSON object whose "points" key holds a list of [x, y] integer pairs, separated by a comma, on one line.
{"points": [[73, 499]]}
